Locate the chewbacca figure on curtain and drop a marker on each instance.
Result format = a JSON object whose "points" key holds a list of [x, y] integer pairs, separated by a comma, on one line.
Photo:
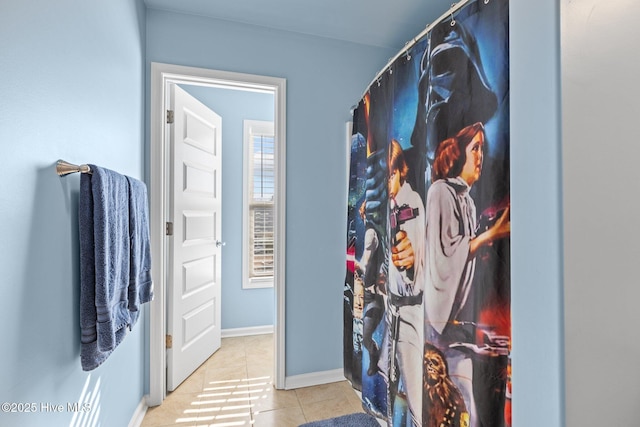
{"points": [[443, 404], [427, 315]]}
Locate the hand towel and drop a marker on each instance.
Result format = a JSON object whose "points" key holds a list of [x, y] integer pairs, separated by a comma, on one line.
{"points": [[140, 284]]}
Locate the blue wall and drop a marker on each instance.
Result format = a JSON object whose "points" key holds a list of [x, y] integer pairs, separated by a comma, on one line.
{"points": [[72, 87], [324, 79], [241, 308], [536, 214]]}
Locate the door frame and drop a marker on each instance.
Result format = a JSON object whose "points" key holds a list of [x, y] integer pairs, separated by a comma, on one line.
{"points": [[162, 75]]}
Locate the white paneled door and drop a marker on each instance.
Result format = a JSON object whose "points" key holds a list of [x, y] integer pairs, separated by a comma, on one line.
{"points": [[194, 246]]}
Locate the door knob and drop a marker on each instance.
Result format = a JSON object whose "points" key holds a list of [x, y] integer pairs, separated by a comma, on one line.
{"points": [[219, 243]]}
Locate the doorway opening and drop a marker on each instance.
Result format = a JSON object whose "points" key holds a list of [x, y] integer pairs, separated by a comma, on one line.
{"points": [[163, 76]]}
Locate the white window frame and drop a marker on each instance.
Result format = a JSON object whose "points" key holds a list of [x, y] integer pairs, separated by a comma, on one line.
{"points": [[252, 127]]}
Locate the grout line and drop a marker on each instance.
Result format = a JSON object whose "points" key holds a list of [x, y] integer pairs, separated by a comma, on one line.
{"points": [[304, 414]]}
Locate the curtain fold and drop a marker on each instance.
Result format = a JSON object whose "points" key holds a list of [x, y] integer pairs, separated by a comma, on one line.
{"points": [[427, 336]]}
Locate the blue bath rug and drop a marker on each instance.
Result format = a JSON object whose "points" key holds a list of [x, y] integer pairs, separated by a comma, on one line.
{"points": [[352, 420]]}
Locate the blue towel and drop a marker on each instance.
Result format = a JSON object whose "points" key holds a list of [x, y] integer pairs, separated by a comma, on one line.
{"points": [[108, 233], [140, 284]]}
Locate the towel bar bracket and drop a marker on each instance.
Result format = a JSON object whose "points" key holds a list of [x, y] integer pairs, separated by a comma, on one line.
{"points": [[65, 168]]}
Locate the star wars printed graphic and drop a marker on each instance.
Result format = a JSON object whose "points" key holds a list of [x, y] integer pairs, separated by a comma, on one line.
{"points": [[427, 292]]}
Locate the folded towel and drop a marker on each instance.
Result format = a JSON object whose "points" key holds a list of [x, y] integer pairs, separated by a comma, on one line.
{"points": [[140, 284], [114, 260], [88, 315]]}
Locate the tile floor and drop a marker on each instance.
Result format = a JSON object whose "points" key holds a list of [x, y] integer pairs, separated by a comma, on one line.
{"points": [[235, 388]]}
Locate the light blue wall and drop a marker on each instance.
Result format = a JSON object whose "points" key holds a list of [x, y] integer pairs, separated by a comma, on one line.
{"points": [[324, 79], [72, 87], [241, 308], [536, 214]]}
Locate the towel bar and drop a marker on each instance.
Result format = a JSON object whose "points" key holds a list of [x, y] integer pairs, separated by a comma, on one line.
{"points": [[65, 168]]}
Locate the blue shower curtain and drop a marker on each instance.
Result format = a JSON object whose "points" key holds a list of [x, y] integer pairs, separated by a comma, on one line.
{"points": [[427, 335]]}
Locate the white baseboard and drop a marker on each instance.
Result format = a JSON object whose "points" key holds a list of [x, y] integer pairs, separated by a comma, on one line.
{"points": [[138, 415], [313, 378], [243, 332]]}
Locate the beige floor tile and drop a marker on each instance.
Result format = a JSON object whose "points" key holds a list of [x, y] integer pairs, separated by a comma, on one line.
{"points": [[259, 367], [223, 395], [224, 355], [236, 421], [238, 413], [234, 387], [262, 339], [233, 342], [171, 411], [268, 398], [156, 418], [260, 356], [356, 403], [224, 372], [323, 409], [261, 351], [193, 384], [352, 395], [287, 417], [318, 393], [260, 372], [346, 385]]}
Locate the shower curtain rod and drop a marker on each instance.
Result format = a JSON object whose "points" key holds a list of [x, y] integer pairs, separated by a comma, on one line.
{"points": [[408, 45], [65, 168]]}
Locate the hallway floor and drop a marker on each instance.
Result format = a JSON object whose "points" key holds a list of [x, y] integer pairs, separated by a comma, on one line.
{"points": [[234, 387]]}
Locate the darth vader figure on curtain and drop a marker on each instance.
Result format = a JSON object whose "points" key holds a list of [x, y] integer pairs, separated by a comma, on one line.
{"points": [[427, 295]]}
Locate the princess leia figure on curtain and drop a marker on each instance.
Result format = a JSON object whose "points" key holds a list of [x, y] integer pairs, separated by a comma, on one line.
{"points": [[451, 248]]}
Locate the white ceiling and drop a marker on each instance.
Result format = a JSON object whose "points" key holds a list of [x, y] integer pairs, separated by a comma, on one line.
{"points": [[382, 23]]}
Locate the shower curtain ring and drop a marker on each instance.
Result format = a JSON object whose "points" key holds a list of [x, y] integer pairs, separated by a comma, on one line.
{"points": [[407, 55], [453, 21]]}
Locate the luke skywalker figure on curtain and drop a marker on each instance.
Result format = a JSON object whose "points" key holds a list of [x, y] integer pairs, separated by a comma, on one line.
{"points": [[405, 287]]}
